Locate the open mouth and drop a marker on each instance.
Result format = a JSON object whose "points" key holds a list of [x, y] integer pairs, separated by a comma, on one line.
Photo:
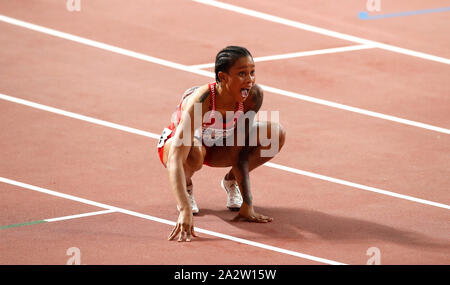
{"points": [[245, 92]]}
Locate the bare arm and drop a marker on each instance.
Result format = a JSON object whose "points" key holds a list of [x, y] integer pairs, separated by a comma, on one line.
{"points": [[178, 153], [241, 169]]}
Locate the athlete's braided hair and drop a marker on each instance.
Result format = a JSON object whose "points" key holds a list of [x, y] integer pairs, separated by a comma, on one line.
{"points": [[227, 57]]}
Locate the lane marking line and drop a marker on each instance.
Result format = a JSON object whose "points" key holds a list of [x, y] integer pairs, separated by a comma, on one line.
{"points": [[356, 185], [58, 219], [322, 31], [90, 214], [171, 223], [78, 116], [103, 46], [269, 164], [212, 75], [356, 110], [364, 15], [295, 54], [22, 224]]}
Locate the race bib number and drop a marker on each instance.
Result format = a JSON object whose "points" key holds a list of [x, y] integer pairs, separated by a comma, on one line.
{"points": [[165, 134]]}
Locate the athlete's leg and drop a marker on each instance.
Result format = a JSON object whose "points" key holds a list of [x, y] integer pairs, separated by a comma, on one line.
{"points": [[266, 148], [194, 161], [270, 138]]}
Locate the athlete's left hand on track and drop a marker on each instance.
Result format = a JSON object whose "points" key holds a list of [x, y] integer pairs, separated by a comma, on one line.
{"points": [[247, 213]]}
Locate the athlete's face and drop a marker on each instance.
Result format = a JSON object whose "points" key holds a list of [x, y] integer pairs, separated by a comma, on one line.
{"points": [[240, 78]]}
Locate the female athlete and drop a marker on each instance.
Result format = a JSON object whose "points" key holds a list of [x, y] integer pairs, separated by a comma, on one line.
{"points": [[214, 125]]}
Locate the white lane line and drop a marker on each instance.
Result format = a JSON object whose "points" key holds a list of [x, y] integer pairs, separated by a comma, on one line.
{"points": [[103, 46], [164, 221], [356, 185], [321, 31], [269, 164], [212, 75], [78, 116], [80, 216], [295, 55], [355, 110]]}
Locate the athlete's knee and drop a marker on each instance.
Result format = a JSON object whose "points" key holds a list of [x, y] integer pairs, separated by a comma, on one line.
{"points": [[272, 137], [281, 135], [278, 136], [196, 157]]}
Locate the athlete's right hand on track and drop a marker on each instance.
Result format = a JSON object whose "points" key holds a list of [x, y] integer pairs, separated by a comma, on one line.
{"points": [[184, 227]]}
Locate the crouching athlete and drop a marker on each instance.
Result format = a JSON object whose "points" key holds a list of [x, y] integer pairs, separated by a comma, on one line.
{"points": [[225, 136]]}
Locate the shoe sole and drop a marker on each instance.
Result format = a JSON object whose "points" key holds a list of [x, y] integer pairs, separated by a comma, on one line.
{"points": [[234, 209]]}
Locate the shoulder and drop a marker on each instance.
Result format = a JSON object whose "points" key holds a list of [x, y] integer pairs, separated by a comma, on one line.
{"points": [[255, 98], [200, 95], [257, 92]]}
